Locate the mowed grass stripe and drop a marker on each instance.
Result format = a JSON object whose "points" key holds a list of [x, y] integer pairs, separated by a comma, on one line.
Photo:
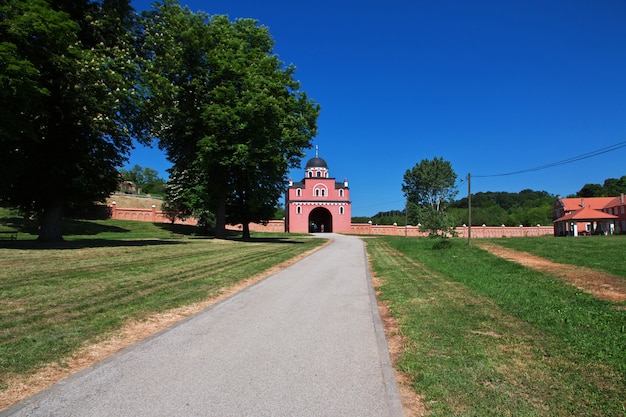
{"points": [[25, 265], [470, 357], [116, 285], [48, 312], [109, 262]]}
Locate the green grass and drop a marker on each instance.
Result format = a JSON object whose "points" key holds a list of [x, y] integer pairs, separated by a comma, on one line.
{"points": [[56, 298], [110, 229], [603, 253], [487, 337]]}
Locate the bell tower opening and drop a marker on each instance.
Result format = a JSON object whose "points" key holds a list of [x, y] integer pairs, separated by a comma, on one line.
{"points": [[320, 220]]}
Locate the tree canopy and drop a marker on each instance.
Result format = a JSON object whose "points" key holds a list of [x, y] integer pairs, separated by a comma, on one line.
{"points": [[429, 187], [67, 108], [228, 113], [383, 218], [612, 187], [147, 179], [527, 208], [80, 80]]}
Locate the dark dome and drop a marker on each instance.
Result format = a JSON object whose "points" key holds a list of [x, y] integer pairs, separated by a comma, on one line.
{"points": [[316, 163]]}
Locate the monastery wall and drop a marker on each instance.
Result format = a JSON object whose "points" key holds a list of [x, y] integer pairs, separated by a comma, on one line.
{"points": [[372, 229], [278, 226], [146, 215], [272, 226]]}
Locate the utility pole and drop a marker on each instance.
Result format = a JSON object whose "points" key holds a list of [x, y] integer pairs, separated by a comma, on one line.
{"points": [[469, 209], [406, 217]]}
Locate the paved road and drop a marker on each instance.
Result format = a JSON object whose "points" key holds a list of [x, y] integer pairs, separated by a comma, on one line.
{"points": [[307, 341]]}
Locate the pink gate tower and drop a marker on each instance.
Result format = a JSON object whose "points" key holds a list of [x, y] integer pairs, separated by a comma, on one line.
{"points": [[318, 203]]}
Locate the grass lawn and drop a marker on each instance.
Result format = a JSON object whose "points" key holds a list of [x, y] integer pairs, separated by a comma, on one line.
{"points": [[604, 253], [488, 337], [483, 336], [56, 298]]}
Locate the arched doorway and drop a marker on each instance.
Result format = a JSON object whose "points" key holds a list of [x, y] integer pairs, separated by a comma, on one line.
{"points": [[320, 220]]}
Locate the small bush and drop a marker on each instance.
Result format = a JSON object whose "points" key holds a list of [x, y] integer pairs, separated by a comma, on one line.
{"points": [[442, 244]]}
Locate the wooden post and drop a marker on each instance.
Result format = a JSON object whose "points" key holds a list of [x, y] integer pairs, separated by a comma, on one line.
{"points": [[406, 217], [469, 209]]}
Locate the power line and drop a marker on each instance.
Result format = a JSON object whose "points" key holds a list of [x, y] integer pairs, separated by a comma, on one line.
{"points": [[461, 182], [563, 162]]}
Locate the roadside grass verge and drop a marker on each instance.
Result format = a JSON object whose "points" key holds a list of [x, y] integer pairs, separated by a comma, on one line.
{"points": [[55, 299], [603, 253], [488, 337]]}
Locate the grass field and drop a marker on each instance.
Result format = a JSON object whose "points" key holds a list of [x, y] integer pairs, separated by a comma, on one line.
{"points": [[488, 337], [483, 336], [79, 230], [604, 253], [56, 298]]}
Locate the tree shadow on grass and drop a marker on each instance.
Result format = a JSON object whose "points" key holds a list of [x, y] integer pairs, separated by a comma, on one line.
{"points": [[183, 230], [89, 228], [70, 226], [76, 227], [261, 239], [84, 244]]}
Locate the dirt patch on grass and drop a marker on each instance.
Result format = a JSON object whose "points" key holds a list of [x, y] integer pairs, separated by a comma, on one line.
{"points": [[600, 284], [21, 387]]}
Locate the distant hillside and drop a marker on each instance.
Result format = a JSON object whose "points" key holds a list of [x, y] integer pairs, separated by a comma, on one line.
{"points": [[526, 208], [134, 201]]}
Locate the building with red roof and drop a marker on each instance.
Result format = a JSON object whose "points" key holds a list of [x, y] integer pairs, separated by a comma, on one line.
{"points": [[590, 215]]}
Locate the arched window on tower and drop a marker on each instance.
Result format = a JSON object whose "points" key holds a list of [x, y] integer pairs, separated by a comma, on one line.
{"points": [[341, 192], [310, 174], [317, 192], [298, 210], [323, 192], [298, 192], [319, 174], [341, 210]]}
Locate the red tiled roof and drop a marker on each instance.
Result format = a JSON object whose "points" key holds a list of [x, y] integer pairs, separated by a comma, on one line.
{"points": [[571, 204], [616, 202], [586, 213]]}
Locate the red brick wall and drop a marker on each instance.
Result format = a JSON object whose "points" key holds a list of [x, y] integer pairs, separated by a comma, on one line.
{"points": [[273, 226], [477, 231], [371, 229], [278, 226], [146, 215]]}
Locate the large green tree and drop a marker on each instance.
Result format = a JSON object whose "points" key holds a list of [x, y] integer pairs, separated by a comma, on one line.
{"points": [[226, 109], [591, 190], [612, 187], [67, 109], [147, 179], [428, 188], [527, 208]]}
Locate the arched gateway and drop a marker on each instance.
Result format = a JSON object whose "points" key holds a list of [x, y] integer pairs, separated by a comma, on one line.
{"points": [[318, 203], [320, 220]]}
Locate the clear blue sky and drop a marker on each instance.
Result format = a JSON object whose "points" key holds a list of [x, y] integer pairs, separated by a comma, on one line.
{"points": [[491, 86]]}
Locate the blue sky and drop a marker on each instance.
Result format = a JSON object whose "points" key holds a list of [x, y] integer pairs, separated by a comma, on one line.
{"points": [[492, 86]]}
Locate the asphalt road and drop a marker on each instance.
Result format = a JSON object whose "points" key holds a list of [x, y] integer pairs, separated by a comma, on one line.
{"points": [[307, 341]]}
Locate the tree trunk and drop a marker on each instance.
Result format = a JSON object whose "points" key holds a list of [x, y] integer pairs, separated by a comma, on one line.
{"points": [[220, 219], [51, 224], [246, 231]]}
